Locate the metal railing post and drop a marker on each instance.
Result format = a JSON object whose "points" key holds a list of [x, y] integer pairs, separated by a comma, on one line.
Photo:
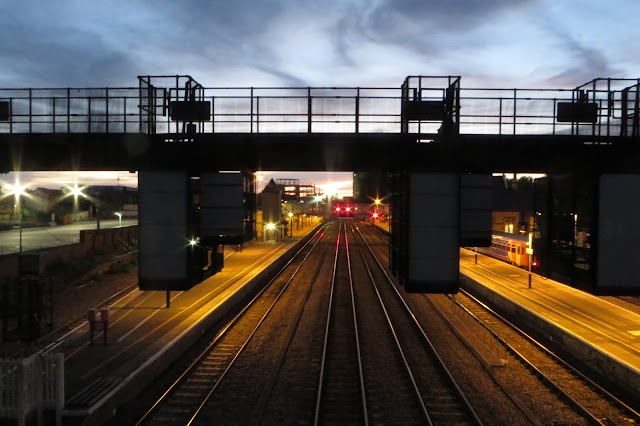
{"points": [[500, 117], [106, 107], [68, 110], [53, 118], [309, 103], [514, 110], [358, 110], [30, 110], [251, 118]]}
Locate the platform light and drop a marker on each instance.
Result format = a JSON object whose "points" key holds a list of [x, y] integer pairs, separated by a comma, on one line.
{"points": [[17, 191], [76, 191], [271, 226], [193, 242]]}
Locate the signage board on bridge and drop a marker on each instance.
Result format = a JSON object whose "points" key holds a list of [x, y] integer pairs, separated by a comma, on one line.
{"points": [[433, 233], [163, 224], [475, 210], [221, 212], [618, 270]]}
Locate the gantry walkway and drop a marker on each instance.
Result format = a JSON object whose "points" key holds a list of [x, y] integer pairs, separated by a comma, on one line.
{"points": [[426, 122]]}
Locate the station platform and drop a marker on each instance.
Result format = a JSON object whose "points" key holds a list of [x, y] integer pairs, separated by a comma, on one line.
{"points": [[601, 332], [144, 336]]}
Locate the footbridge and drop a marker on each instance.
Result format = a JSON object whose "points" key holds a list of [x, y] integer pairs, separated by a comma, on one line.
{"points": [[439, 140]]}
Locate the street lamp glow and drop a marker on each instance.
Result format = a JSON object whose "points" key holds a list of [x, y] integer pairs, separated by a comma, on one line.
{"points": [[271, 226], [192, 242], [76, 191], [17, 189]]}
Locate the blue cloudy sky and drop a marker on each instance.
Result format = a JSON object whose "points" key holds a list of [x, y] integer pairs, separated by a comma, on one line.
{"points": [[490, 43]]}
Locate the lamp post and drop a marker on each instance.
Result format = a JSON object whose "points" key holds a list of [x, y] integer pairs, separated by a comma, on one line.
{"points": [[17, 190], [76, 191], [119, 218], [529, 251], [290, 215]]}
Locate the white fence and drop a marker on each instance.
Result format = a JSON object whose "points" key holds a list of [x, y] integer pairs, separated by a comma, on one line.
{"points": [[32, 387]]}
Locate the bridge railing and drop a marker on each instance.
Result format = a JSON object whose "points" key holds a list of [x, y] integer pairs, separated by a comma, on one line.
{"points": [[320, 110], [77, 110]]}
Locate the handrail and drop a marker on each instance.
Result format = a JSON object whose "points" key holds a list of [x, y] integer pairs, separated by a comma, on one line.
{"points": [[525, 111]]}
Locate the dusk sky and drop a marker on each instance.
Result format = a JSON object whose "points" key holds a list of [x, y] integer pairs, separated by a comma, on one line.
{"points": [[365, 43]]}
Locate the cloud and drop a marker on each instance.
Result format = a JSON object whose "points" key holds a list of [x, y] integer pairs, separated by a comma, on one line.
{"points": [[585, 64], [57, 180], [427, 25], [48, 52]]}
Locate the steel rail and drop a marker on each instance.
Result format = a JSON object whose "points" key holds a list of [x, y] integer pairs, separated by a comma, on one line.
{"points": [[326, 330], [260, 407], [452, 380], [603, 393], [204, 353], [423, 407], [355, 323]]}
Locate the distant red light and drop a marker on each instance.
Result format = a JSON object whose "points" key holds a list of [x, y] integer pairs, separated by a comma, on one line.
{"points": [[375, 215], [337, 209], [534, 263], [348, 209]]}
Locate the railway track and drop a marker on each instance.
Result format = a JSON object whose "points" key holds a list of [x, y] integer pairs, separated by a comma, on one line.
{"points": [[590, 400], [341, 394], [186, 400], [439, 397], [320, 347]]}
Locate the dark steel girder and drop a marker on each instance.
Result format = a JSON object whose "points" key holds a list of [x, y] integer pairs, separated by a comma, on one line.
{"points": [[319, 152]]}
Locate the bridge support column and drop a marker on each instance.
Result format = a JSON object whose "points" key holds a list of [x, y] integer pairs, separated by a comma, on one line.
{"points": [[433, 214], [425, 219]]}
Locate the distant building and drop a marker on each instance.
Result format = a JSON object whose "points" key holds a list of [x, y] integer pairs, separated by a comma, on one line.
{"points": [[111, 198], [271, 203], [513, 206], [293, 191]]}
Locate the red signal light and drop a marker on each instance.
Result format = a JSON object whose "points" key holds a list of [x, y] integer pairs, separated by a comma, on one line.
{"points": [[337, 209], [534, 263], [375, 215], [348, 209]]}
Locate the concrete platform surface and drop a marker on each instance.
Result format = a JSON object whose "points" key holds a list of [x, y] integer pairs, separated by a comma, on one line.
{"points": [[144, 336], [603, 334]]}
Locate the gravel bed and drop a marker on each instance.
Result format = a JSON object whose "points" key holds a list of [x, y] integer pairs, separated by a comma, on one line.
{"points": [[527, 403]]}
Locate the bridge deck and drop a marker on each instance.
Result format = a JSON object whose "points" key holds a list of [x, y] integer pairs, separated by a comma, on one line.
{"points": [[428, 123], [309, 152]]}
